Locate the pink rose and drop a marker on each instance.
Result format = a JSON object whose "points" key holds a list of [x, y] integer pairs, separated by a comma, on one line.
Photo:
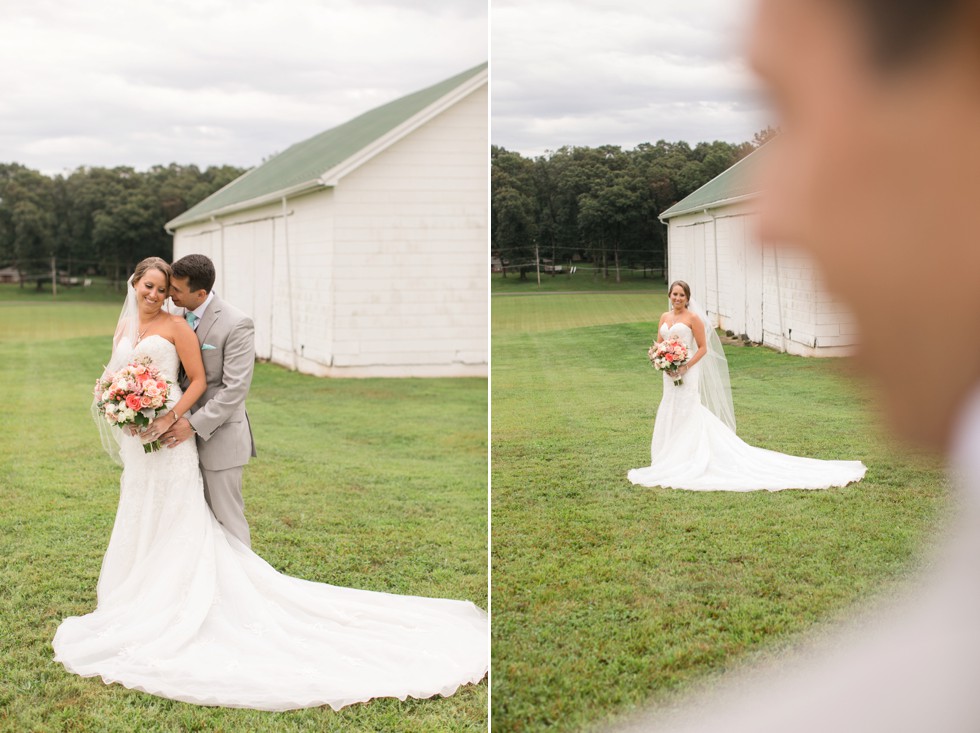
{"points": [[132, 402], [146, 401]]}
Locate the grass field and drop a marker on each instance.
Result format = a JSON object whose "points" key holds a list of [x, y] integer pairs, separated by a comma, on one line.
{"points": [[376, 484], [607, 596]]}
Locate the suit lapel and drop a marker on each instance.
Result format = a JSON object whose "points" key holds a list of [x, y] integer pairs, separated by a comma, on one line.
{"points": [[210, 316]]}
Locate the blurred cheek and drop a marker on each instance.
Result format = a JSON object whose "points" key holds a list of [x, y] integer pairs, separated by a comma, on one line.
{"points": [[811, 186], [832, 189]]}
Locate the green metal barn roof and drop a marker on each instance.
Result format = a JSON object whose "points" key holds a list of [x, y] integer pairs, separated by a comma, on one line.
{"points": [[307, 165], [735, 184]]}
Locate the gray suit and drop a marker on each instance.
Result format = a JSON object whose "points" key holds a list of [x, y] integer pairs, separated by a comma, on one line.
{"points": [[224, 437]]}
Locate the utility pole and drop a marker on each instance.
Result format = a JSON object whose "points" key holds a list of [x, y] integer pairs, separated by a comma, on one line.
{"points": [[54, 277], [537, 261]]}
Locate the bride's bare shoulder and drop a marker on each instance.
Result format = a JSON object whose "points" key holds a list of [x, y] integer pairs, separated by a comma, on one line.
{"points": [[172, 327]]}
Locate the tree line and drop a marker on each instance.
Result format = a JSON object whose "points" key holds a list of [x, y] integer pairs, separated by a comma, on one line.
{"points": [[599, 204], [96, 220]]}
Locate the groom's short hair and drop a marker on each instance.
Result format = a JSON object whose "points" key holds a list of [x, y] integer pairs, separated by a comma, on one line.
{"points": [[902, 31], [197, 269]]}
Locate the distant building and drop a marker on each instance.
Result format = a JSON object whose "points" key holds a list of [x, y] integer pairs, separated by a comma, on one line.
{"points": [[772, 295], [362, 251], [9, 275]]}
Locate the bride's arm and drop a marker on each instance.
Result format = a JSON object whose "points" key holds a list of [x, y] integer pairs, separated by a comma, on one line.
{"points": [[189, 352], [701, 338], [660, 336]]}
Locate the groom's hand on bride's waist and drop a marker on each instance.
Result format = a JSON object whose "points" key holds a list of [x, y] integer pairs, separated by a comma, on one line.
{"points": [[180, 432]]}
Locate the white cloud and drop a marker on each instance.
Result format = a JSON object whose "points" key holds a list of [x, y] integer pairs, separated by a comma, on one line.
{"points": [[621, 72], [140, 82]]}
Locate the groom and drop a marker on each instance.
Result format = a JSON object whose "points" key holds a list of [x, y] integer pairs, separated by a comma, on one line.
{"points": [[218, 420]]}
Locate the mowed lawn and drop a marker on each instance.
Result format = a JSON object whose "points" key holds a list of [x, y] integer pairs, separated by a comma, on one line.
{"points": [[607, 596], [378, 484]]}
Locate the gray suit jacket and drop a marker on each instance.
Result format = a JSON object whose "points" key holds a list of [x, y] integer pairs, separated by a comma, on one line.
{"points": [[227, 338]]}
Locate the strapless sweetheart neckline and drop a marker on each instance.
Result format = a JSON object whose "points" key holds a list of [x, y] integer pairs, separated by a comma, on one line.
{"points": [[152, 335]]}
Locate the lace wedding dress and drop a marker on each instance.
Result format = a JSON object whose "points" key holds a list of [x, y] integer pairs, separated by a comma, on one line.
{"points": [[693, 449], [187, 612]]}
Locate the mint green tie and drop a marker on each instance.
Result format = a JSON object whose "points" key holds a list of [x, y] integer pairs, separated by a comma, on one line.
{"points": [[190, 318]]}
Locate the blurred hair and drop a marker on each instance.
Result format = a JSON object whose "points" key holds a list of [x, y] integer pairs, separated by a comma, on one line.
{"points": [[903, 31], [199, 271]]}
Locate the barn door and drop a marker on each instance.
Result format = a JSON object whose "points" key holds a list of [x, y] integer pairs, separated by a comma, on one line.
{"points": [[753, 281], [735, 279], [699, 265], [263, 241]]}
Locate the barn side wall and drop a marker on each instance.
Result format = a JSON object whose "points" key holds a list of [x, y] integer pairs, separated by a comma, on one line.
{"points": [[772, 295], [285, 289], [411, 248], [383, 275]]}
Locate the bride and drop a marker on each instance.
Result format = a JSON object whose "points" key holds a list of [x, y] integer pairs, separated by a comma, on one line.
{"points": [[694, 444], [186, 611]]}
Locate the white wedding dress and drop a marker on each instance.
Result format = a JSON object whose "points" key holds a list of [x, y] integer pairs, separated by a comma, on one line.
{"points": [[693, 449], [186, 611]]}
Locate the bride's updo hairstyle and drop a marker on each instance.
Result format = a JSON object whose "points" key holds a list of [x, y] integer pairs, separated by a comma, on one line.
{"points": [[684, 286], [151, 263]]}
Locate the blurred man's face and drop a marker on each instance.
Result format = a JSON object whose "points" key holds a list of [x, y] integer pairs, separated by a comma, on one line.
{"points": [[875, 175]]}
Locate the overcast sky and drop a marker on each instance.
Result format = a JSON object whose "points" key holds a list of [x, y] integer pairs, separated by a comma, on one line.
{"points": [[144, 82], [620, 72]]}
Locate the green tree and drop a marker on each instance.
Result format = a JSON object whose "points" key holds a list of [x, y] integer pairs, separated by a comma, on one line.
{"points": [[514, 209], [599, 203], [101, 218], [27, 218]]}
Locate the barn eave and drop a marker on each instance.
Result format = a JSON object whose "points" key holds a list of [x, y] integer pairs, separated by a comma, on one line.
{"points": [[737, 183], [332, 176], [673, 212], [263, 200]]}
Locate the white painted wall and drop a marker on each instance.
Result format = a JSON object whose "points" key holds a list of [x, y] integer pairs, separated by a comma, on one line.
{"points": [[383, 275], [411, 248], [771, 294]]}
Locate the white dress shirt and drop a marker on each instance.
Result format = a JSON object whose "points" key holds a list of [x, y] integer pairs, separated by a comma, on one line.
{"points": [[199, 311]]}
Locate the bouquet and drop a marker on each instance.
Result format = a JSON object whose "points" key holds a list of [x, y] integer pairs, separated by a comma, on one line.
{"points": [[669, 356], [133, 396]]}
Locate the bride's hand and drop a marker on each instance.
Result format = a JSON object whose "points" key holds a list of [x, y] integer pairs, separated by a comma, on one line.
{"points": [[158, 426]]}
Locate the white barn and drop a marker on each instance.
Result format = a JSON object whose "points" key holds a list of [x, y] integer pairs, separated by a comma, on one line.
{"points": [[772, 295], [361, 252]]}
